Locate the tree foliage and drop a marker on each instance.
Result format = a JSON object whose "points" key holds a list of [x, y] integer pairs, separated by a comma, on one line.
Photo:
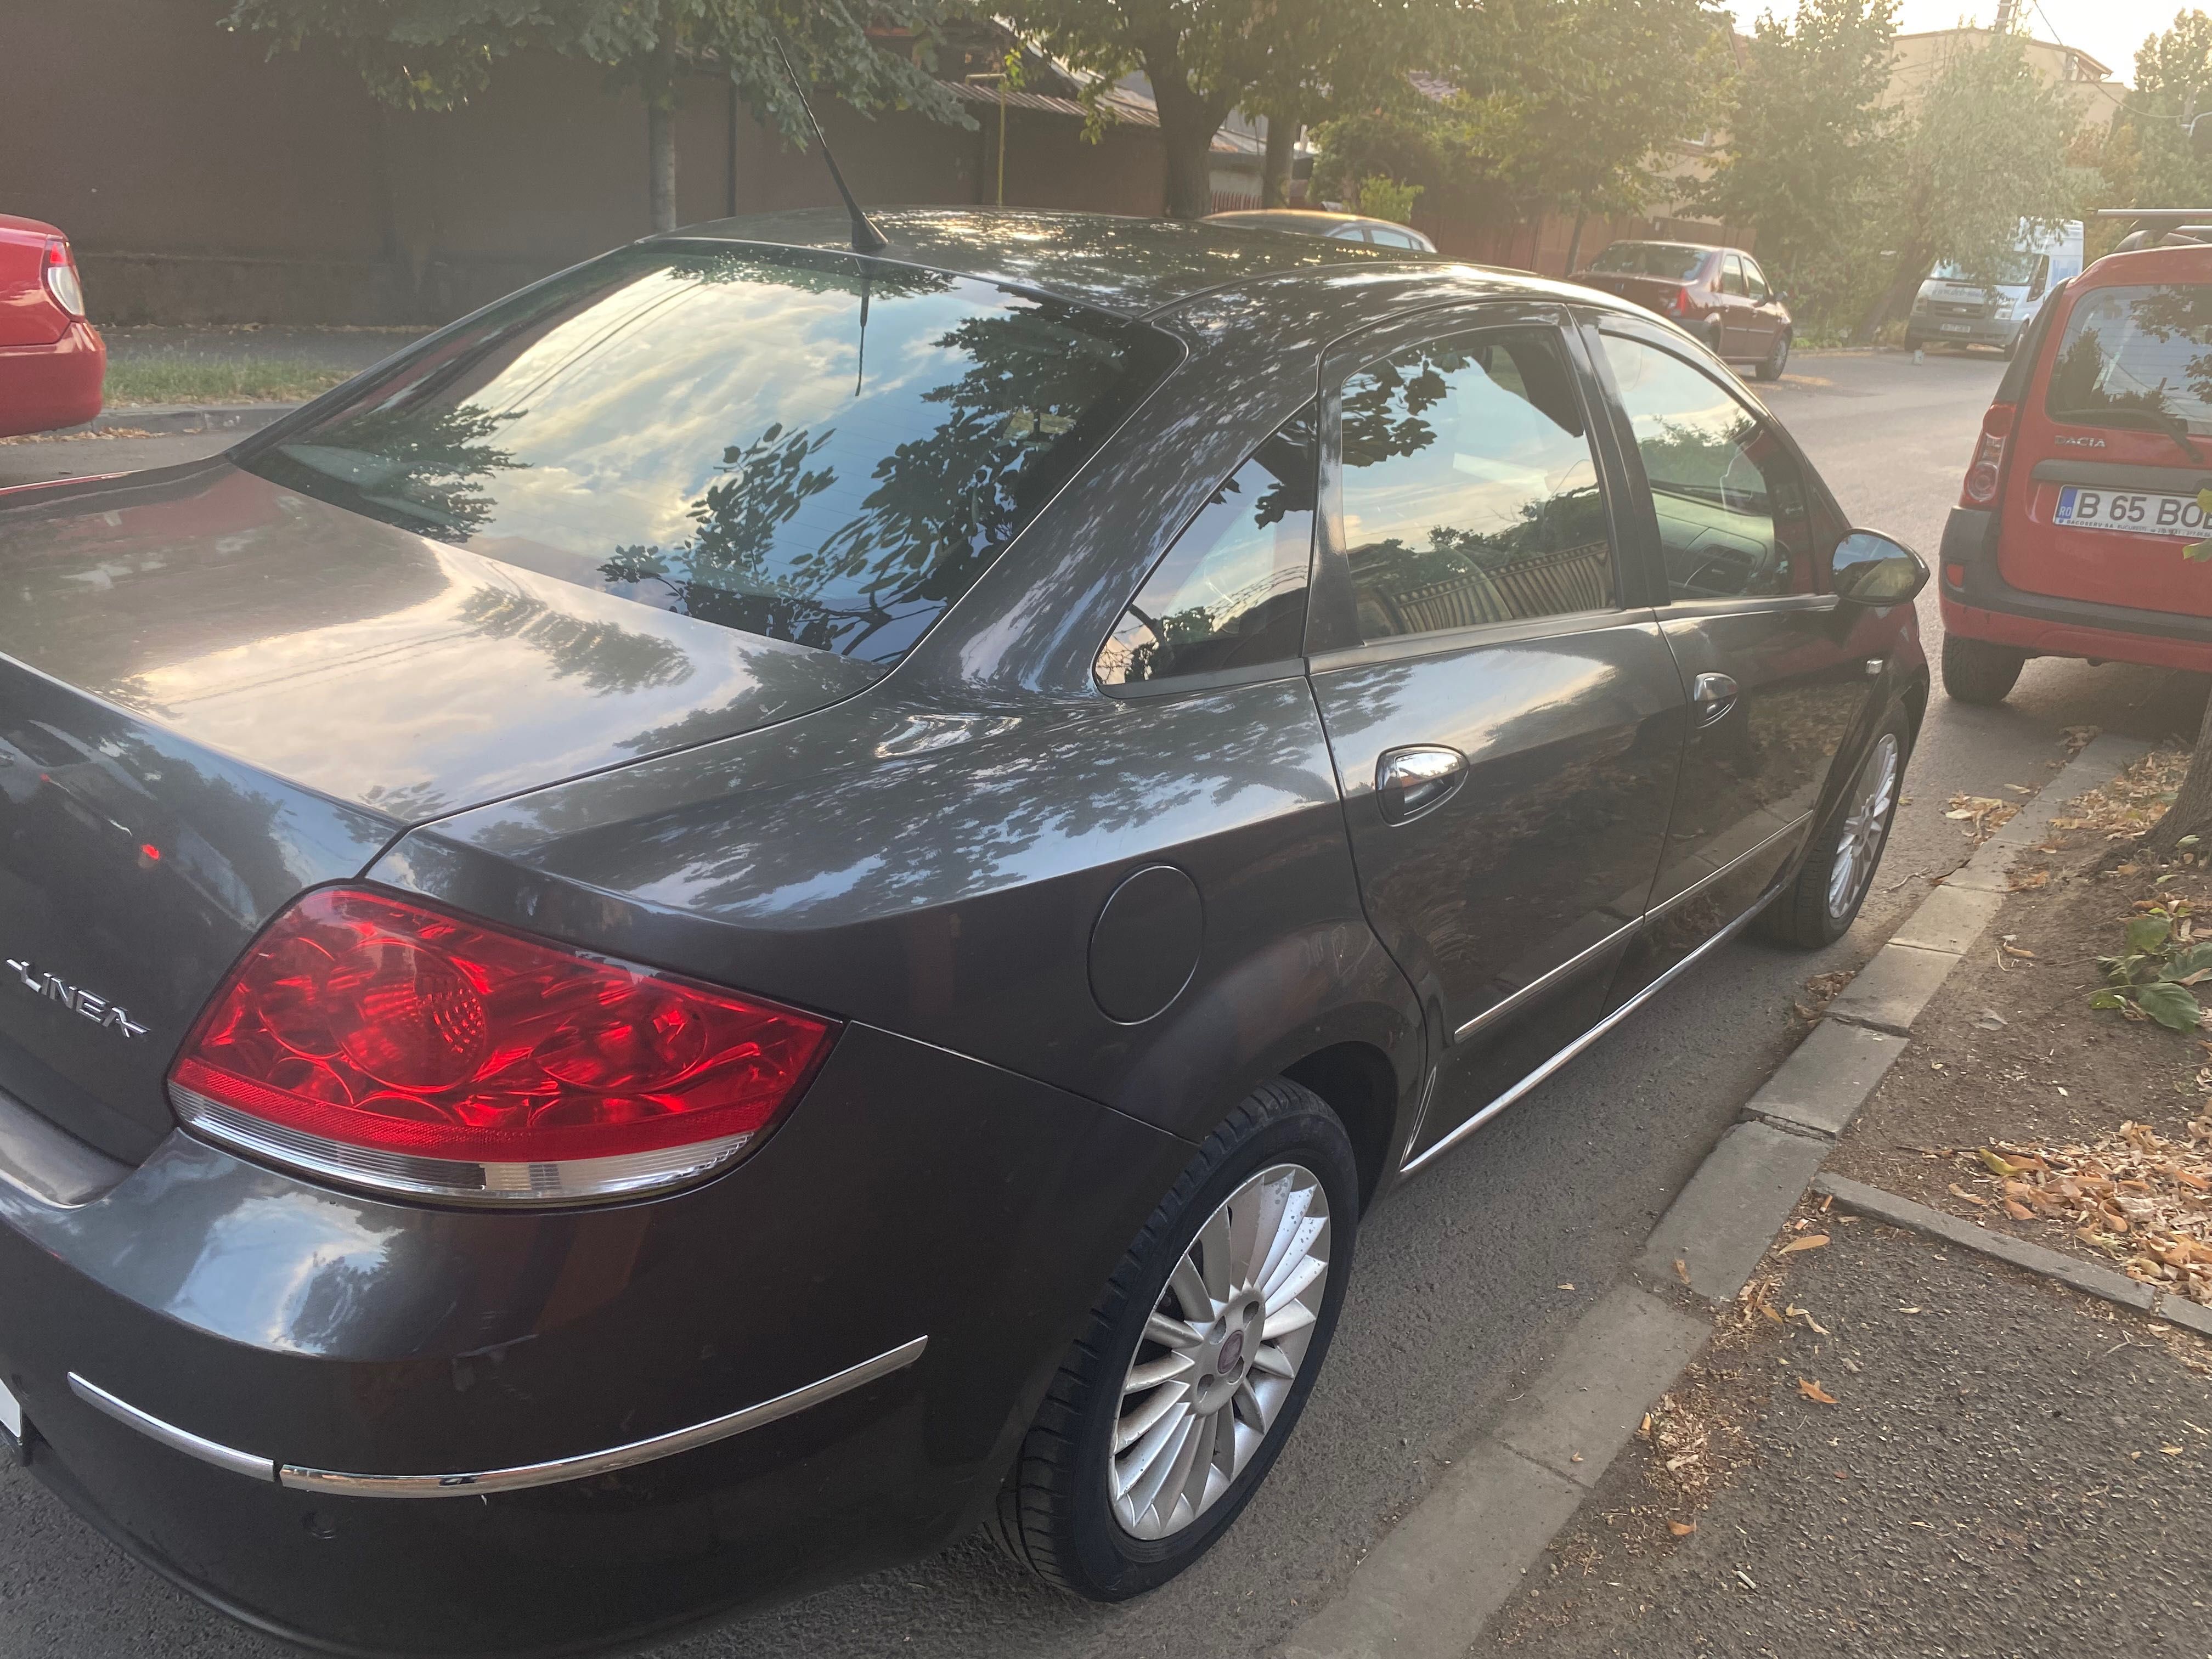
{"points": [[1809, 142], [1290, 59]]}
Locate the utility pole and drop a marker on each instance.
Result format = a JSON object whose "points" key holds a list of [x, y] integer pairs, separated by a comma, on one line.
{"points": [[2007, 13]]}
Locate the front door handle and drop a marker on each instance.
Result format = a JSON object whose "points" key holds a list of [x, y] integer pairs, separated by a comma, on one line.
{"points": [[1711, 697], [1410, 781]]}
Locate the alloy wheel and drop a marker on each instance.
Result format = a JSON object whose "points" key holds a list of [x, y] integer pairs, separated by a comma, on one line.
{"points": [[1220, 1352], [1858, 848]]}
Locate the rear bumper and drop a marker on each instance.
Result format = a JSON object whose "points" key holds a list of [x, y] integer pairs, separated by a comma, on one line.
{"points": [[45, 387], [1983, 605], [327, 1342], [1963, 331]]}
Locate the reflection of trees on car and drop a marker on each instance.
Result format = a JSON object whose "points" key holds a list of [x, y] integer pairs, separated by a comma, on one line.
{"points": [[421, 469]]}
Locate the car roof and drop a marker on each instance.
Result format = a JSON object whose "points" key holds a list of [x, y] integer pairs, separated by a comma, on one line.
{"points": [[2181, 262], [1136, 267], [1133, 266]]}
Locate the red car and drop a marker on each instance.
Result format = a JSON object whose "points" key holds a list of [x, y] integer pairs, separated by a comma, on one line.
{"points": [[2068, 538], [51, 361], [1719, 293]]}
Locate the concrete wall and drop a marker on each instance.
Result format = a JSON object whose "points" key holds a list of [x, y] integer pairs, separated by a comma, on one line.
{"points": [[201, 181]]}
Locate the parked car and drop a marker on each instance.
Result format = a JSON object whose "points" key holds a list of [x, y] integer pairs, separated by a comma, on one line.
{"points": [[1339, 226], [1955, 308], [2082, 493], [1719, 293], [51, 361], [821, 887]]}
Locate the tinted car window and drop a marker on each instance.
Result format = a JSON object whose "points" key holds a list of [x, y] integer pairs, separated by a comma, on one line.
{"points": [[1664, 259], [1469, 494], [1754, 279], [1733, 521], [1389, 238], [2134, 356], [1232, 591], [1731, 275], [815, 447]]}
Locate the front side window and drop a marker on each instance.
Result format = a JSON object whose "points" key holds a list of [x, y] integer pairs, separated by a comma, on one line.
{"points": [[2136, 356], [812, 447], [1734, 519], [1469, 493], [1231, 593]]}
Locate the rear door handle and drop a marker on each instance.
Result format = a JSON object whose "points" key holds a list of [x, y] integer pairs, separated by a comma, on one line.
{"points": [[1712, 696], [1409, 781]]}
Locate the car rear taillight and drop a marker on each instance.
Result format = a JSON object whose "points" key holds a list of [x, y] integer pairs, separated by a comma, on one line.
{"points": [[384, 1044], [1980, 488], [62, 282], [1680, 305]]}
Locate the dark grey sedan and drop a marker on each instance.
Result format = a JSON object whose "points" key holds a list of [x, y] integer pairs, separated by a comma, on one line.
{"points": [[766, 903]]}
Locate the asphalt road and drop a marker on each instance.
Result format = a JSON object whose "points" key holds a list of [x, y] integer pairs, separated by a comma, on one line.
{"points": [[1459, 1288]]}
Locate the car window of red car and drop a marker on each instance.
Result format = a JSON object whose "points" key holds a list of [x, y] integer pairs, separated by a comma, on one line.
{"points": [[1669, 261], [1732, 275], [2134, 356], [1755, 280]]}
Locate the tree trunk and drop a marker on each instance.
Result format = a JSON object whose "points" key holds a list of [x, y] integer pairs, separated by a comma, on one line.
{"points": [[1897, 297], [2191, 811], [1574, 243], [660, 162], [1281, 157], [1188, 121]]}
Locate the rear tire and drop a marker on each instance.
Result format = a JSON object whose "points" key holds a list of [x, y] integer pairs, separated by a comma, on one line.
{"points": [[1777, 360], [1819, 907], [1976, 672], [1273, 1191]]}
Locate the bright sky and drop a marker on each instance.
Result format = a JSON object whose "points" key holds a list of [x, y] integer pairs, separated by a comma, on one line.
{"points": [[2108, 30]]}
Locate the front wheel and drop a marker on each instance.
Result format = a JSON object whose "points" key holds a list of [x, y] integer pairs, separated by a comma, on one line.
{"points": [[1976, 672], [1777, 360], [1819, 907], [1191, 1372]]}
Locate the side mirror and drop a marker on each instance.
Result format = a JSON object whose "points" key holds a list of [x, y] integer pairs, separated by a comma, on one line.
{"points": [[1870, 568]]}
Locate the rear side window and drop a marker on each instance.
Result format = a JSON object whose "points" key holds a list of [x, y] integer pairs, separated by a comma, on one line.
{"points": [[1731, 275], [1231, 593], [816, 447], [1469, 494], [2136, 356]]}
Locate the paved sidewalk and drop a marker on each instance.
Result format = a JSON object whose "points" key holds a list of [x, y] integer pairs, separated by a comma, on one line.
{"points": [[2011, 1469]]}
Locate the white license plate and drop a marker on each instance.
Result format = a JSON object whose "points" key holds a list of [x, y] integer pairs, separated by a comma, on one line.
{"points": [[2139, 512], [11, 1414], [1954, 328]]}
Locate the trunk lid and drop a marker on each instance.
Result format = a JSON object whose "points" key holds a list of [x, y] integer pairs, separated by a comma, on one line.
{"points": [[1652, 293], [2101, 487], [215, 693]]}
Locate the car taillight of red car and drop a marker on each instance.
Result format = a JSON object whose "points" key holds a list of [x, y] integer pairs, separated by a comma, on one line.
{"points": [[1983, 474], [390, 1045], [63, 286]]}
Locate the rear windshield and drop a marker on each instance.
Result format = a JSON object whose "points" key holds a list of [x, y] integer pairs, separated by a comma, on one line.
{"points": [[1663, 259], [816, 447], [2129, 353]]}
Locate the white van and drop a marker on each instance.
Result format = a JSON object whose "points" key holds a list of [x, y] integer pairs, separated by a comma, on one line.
{"points": [[1951, 309]]}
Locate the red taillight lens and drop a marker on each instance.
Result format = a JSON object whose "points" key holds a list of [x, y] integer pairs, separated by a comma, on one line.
{"points": [[391, 1045], [1680, 304], [62, 282], [1981, 486]]}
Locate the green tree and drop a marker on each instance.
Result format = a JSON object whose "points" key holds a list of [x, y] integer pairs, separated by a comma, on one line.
{"points": [[1808, 145], [435, 54], [1981, 151], [1289, 59], [2150, 143]]}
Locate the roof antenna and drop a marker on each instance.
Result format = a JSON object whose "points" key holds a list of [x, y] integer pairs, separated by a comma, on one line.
{"points": [[866, 239]]}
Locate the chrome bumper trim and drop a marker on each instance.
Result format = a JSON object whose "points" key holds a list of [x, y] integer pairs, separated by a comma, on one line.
{"points": [[176, 1439], [517, 1479]]}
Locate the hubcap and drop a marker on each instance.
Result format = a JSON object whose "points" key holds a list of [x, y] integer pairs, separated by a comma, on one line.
{"points": [[1219, 1352], [1858, 849]]}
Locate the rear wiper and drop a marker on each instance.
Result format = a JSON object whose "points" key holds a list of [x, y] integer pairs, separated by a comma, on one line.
{"points": [[2159, 420]]}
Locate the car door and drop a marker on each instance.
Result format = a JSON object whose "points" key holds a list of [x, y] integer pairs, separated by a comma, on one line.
{"points": [[1504, 717], [1769, 659], [1736, 309]]}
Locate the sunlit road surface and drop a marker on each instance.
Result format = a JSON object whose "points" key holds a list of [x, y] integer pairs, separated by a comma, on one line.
{"points": [[1462, 1283]]}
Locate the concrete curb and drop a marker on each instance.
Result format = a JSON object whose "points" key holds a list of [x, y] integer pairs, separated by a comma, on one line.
{"points": [[1428, 1588], [184, 417]]}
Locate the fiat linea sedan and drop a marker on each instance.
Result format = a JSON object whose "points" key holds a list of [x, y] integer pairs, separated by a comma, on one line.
{"points": [[766, 903]]}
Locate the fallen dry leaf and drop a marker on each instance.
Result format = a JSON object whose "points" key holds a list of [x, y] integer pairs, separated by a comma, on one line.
{"points": [[1814, 1391], [2018, 1211], [1681, 1529], [2020, 951], [1681, 1270], [1810, 1242]]}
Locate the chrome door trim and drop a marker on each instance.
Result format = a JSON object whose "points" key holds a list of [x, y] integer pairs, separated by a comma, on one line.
{"points": [[1706, 880], [1581, 1042], [1544, 982], [169, 1435], [517, 1478]]}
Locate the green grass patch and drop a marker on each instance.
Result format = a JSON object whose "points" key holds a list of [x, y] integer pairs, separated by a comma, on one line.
{"points": [[241, 379]]}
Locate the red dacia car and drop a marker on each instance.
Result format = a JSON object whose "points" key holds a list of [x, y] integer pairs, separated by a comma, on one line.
{"points": [[51, 361], [2068, 538]]}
